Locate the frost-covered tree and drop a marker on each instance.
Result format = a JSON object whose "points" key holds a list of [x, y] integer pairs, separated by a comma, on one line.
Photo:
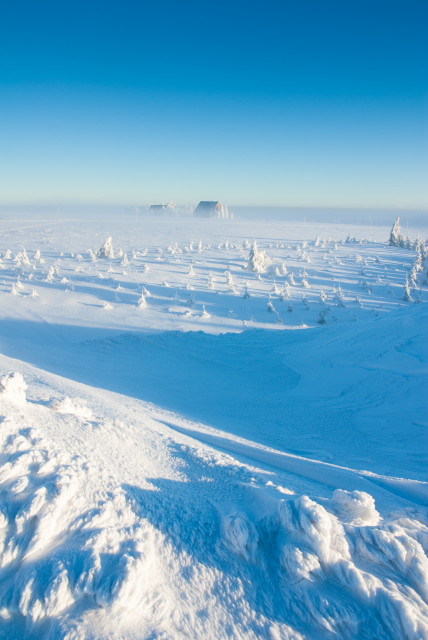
{"points": [[142, 304], [419, 245], [106, 251], [275, 289], [229, 279], [396, 239], [257, 260], [413, 277], [407, 296]]}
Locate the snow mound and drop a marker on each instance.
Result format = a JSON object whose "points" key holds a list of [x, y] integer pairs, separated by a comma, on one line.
{"points": [[13, 387], [72, 406]]}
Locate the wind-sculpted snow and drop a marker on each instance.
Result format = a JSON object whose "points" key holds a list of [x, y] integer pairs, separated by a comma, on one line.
{"points": [[222, 549], [236, 447]]}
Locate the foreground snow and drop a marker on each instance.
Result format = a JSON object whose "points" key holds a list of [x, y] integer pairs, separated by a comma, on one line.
{"points": [[260, 484]]}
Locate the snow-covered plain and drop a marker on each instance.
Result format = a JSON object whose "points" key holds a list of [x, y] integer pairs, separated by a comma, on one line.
{"points": [[190, 449]]}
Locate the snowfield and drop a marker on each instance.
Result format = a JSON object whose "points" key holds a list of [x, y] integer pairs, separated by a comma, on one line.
{"points": [[211, 429]]}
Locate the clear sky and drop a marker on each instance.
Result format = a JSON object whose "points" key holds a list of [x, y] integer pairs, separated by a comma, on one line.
{"points": [[280, 102]]}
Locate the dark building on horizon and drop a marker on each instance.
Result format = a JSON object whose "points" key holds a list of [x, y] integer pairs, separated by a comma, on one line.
{"points": [[211, 209]]}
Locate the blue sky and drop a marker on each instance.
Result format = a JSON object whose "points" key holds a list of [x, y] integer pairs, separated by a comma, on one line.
{"points": [[303, 103]]}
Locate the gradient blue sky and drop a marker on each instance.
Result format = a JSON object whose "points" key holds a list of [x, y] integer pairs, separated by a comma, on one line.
{"points": [[294, 103]]}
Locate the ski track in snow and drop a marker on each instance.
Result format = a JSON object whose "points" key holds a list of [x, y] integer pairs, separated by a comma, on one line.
{"points": [[127, 515]]}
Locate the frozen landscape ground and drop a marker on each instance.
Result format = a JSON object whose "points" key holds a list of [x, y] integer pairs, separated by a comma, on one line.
{"points": [[191, 449]]}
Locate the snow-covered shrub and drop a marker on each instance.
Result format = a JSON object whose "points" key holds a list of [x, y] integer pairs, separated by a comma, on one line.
{"points": [[50, 276], [106, 251], [229, 279], [12, 388], [258, 261], [142, 304], [275, 289], [285, 293]]}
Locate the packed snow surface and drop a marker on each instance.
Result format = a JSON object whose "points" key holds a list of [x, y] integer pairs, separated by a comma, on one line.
{"points": [[211, 429]]}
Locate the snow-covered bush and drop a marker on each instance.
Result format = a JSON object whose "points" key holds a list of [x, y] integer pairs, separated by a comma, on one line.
{"points": [[142, 304], [106, 251], [258, 261]]}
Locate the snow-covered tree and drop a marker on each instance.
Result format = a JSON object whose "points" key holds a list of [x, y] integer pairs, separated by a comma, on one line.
{"points": [[106, 251], [407, 296], [257, 260], [142, 304], [305, 283], [396, 239], [275, 289], [229, 279]]}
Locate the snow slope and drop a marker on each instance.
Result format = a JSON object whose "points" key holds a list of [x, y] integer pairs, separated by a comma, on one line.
{"points": [[179, 469]]}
